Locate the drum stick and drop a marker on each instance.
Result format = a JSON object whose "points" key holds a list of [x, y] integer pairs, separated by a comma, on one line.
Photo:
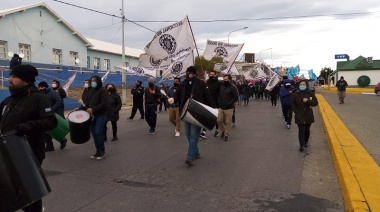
{"points": [[82, 103], [164, 93]]}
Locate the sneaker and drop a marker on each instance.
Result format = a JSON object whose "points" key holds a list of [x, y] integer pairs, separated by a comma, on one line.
{"points": [[197, 156], [189, 161], [301, 149], [63, 143], [177, 133], [222, 136], [114, 138], [226, 138], [288, 126], [216, 134], [203, 135], [100, 157], [94, 156], [152, 131]]}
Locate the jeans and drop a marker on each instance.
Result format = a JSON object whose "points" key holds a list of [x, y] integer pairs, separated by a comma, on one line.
{"points": [[288, 114], [151, 115], [303, 134], [97, 130], [192, 134]]}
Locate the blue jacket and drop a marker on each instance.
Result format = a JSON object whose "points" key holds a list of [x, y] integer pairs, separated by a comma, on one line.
{"points": [[55, 101], [285, 96]]}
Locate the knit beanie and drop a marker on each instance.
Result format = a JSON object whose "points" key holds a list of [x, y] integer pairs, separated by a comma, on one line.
{"points": [[191, 69], [27, 73], [43, 84]]}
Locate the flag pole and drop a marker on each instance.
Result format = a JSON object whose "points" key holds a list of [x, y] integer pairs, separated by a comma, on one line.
{"points": [[235, 59], [196, 48]]}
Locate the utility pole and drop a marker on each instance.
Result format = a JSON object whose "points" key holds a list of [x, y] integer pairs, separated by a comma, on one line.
{"points": [[123, 76]]}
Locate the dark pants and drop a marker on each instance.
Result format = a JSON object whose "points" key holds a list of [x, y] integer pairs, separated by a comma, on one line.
{"points": [[139, 106], [287, 112], [48, 141], [151, 115], [233, 117], [273, 98], [34, 207], [259, 95], [114, 129], [303, 134]]}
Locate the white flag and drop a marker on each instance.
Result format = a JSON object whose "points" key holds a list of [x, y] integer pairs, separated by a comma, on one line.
{"points": [[255, 73], [67, 84], [273, 82], [105, 76], [139, 71], [228, 51], [147, 61], [178, 66], [267, 70], [171, 41], [233, 71]]}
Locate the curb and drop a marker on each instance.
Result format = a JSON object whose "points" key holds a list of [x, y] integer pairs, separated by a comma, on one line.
{"points": [[351, 90], [358, 173]]}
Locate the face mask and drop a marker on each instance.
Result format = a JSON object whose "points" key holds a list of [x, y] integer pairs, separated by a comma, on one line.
{"points": [[151, 84], [109, 89], [212, 77], [137, 85], [54, 85], [176, 84], [302, 87], [93, 84], [86, 85], [287, 86], [226, 83], [190, 77]]}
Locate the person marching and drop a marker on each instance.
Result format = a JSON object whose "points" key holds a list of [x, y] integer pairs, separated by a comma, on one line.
{"points": [[138, 101], [96, 105], [227, 98], [195, 88], [341, 86], [87, 87], [29, 113], [56, 106], [56, 86], [174, 116], [302, 102], [152, 98], [285, 97], [213, 85], [113, 108], [274, 94]]}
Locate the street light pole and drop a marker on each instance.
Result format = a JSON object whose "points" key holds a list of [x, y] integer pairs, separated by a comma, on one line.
{"points": [[235, 31], [123, 75], [264, 50]]}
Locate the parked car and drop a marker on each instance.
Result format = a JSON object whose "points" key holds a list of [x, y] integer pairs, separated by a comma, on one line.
{"points": [[377, 89]]}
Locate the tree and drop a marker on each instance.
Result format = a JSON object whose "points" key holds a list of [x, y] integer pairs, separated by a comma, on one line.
{"points": [[325, 73], [207, 65]]}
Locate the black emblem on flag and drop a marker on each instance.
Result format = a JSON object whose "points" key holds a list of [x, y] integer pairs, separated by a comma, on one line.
{"points": [[253, 73], [168, 43], [177, 67], [220, 52], [154, 62], [271, 81], [138, 70], [265, 69], [223, 67]]}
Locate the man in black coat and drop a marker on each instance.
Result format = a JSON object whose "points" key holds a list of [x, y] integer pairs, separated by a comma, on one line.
{"points": [[138, 100], [27, 112], [192, 86], [152, 99], [15, 61], [213, 85]]}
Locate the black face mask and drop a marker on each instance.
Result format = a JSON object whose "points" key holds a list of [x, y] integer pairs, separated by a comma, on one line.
{"points": [[110, 89], [226, 83], [212, 78], [137, 85], [175, 84], [287, 86], [16, 90], [190, 77]]}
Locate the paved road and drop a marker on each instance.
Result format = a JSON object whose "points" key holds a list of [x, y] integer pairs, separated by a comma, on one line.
{"points": [[360, 113], [259, 169]]}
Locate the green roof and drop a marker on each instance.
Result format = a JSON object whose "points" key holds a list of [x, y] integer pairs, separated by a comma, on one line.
{"points": [[360, 63]]}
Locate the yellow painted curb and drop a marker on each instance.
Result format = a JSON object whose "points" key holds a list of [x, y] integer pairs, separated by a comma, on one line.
{"points": [[358, 173], [351, 90]]}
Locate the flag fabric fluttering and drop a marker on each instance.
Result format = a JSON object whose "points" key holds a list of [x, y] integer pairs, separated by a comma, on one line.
{"points": [[105, 76], [67, 84], [293, 71], [171, 41], [312, 75], [227, 51], [139, 71], [273, 82], [147, 61], [233, 71], [256, 73], [178, 66]]}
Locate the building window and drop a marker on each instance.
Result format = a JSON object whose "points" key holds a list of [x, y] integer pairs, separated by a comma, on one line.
{"points": [[3, 49], [73, 57], [106, 64], [57, 56], [25, 49], [88, 62], [96, 63]]}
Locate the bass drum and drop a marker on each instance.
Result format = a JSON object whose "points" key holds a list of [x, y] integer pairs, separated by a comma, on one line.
{"points": [[79, 122], [22, 181], [199, 114]]}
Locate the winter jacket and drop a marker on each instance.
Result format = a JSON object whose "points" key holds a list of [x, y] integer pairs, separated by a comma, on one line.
{"points": [[228, 95], [138, 95], [259, 87], [285, 96], [113, 107], [214, 87], [55, 101], [303, 110], [150, 98], [200, 93], [97, 99], [33, 108], [341, 85]]}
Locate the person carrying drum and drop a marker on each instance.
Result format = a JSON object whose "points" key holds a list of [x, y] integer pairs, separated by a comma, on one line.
{"points": [[193, 87], [114, 106], [96, 106], [29, 113], [57, 107]]}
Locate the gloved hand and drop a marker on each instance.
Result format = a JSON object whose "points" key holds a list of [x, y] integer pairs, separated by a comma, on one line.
{"points": [[171, 100], [23, 129]]}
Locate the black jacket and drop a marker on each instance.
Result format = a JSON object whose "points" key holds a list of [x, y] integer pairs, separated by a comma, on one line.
{"points": [[85, 94], [150, 98], [303, 110], [33, 108], [228, 95], [97, 99], [114, 106], [138, 95], [341, 85], [214, 87], [200, 94]]}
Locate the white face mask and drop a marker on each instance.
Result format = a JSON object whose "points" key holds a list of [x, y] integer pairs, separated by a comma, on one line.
{"points": [[54, 85], [86, 85]]}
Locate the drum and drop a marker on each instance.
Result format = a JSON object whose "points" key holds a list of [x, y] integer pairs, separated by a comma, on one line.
{"points": [[199, 114], [22, 181], [62, 129], [79, 122]]}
